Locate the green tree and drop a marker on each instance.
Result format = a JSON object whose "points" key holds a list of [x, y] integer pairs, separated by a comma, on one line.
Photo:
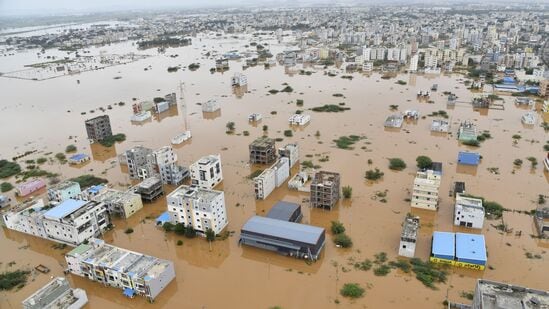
{"points": [[343, 240], [397, 164], [190, 232], [180, 229], [210, 235], [352, 290], [337, 227], [424, 162], [347, 191]]}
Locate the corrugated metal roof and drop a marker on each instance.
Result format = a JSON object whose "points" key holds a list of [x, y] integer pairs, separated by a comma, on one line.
{"points": [[443, 243], [282, 210], [283, 229], [470, 247], [64, 208]]}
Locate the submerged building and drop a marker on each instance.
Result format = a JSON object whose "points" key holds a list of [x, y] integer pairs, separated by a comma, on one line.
{"points": [[459, 249], [119, 203], [290, 151], [408, 237], [98, 128], [134, 273], [283, 237], [64, 191], [206, 173], [201, 209], [143, 163], [149, 189], [325, 189], [426, 186], [468, 212], [57, 294], [262, 151]]}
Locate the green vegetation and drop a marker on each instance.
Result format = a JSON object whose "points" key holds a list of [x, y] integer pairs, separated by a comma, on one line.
{"points": [[364, 265], [307, 164], [343, 240], [516, 136], [484, 136], [517, 162], [230, 127], [330, 108], [337, 227], [288, 133], [246, 133], [440, 113], [401, 264], [70, 148], [11, 279], [86, 181], [380, 258], [382, 270], [128, 230], [424, 162], [337, 95], [533, 161], [179, 242], [393, 107], [492, 209], [397, 164], [194, 66], [345, 142], [265, 128], [352, 290], [468, 295], [401, 82], [5, 187], [36, 172], [299, 102], [428, 273], [109, 141], [287, 89], [61, 157], [374, 174], [210, 235], [41, 160], [273, 91], [347, 192], [472, 142], [8, 168]]}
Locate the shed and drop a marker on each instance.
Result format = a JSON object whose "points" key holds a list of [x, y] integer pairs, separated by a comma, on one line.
{"points": [[471, 248], [468, 158], [443, 245], [285, 211], [163, 218]]}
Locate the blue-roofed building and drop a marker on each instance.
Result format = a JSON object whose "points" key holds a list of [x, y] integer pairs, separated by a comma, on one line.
{"points": [[283, 237], [443, 245], [471, 248], [459, 249], [468, 158], [78, 158], [163, 218]]}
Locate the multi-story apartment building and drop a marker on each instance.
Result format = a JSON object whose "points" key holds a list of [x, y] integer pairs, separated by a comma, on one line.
{"points": [[71, 222], [119, 203], [262, 151], [150, 189], [468, 212], [165, 164], [135, 273], [140, 162], [206, 173], [425, 190], [264, 184], [98, 128], [325, 189], [201, 209], [57, 294], [408, 237], [64, 191], [290, 151]]}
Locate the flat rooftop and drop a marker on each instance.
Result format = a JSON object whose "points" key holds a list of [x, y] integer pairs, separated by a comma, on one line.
{"points": [[496, 295], [470, 247], [206, 160], [195, 193], [149, 182], [283, 230], [65, 208], [263, 142], [443, 244], [64, 185]]}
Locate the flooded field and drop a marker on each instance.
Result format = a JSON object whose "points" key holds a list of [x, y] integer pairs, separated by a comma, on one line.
{"points": [[46, 116]]}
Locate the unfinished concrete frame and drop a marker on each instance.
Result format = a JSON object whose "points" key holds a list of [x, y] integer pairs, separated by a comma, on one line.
{"points": [[325, 189]]}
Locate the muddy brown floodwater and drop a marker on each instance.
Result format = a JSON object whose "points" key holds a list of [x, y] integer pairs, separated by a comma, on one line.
{"points": [[35, 116]]}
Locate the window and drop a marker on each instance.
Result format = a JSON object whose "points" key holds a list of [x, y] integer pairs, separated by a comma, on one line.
{"points": [[403, 246]]}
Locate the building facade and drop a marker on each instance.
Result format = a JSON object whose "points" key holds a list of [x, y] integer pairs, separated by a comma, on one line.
{"points": [[135, 273], [149, 189], [425, 190], [201, 209], [206, 173], [262, 151], [290, 151], [98, 128], [119, 203], [468, 212], [325, 189], [57, 294], [408, 237], [64, 191]]}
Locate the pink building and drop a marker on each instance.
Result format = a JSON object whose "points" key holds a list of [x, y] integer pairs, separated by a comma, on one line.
{"points": [[27, 188]]}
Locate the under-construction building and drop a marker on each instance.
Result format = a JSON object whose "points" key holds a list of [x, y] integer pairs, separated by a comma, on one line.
{"points": [[262, 151], [325, 189]]}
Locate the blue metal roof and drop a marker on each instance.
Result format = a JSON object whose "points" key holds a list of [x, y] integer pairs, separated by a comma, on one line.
{"points": [[95, 189], [283, 229], [64, 208], [470, 247], [508, 80], [468, 158], [129, 292], [163, 218], [78, 157], [443, 244]]}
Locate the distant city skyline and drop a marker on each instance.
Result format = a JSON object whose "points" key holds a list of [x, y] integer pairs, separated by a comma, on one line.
{"points": [[64, 7]]}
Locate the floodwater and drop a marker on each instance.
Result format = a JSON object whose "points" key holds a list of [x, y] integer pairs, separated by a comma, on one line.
{"points": [[45, 116]]}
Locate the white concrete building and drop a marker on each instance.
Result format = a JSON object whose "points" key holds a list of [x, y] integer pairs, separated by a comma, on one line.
{"points": [[133, 272], [299, 119], [64, 191], [468, 212], [264, 184], [282, 170], [425, 190], [71, 222], [367, 66], [408, 237], [119, 203], [165, 160], [206, 173], [290, 151], [201, 209], [239, 80], [211, 106], [413, 63], [57, 294]]}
